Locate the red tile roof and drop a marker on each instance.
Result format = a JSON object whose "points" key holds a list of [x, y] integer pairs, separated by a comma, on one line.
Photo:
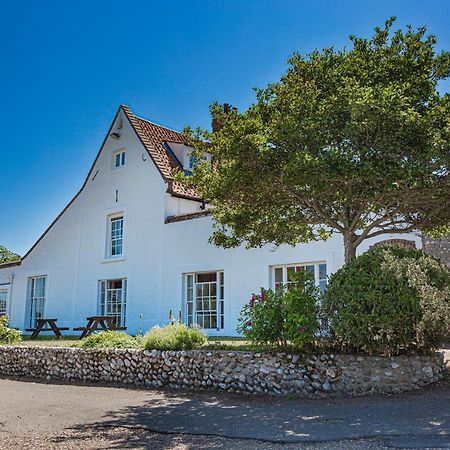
{"points": [[153, 138]]}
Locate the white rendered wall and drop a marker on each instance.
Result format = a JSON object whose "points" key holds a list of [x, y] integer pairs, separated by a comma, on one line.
{"points": [[72, 254], [156, 255], [186, 249]]}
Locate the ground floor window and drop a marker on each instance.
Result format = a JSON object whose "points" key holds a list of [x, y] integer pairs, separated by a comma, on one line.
{"points": [[113, 300], [3, 301], [36, 301], [282, 275], [205, 299]]}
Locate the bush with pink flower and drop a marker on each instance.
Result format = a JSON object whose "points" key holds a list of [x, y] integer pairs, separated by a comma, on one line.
{"points": [[287, 317]]}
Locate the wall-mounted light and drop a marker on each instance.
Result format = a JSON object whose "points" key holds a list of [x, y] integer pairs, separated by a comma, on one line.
{"points": [[115, 135]]}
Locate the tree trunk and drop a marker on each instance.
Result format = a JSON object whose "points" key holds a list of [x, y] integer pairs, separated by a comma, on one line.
{"points": [[349, 246]]}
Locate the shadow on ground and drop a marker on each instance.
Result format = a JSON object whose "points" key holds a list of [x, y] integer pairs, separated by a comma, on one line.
{"points": [[413, 420]]}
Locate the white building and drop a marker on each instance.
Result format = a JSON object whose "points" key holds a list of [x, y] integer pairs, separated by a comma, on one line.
{"points": [[134, 244]]}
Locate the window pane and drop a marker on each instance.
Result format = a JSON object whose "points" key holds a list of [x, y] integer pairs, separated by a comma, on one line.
{"points": [[322, 271], [290, 272], [322, 285], [3, 296], [205, 277]]}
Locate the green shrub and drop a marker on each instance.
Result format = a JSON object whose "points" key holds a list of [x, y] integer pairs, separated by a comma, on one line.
{"points": [[261, 320], [389, 301], [287, 316], [109, 339], [8, 335], [301, 311], [176, 336]]}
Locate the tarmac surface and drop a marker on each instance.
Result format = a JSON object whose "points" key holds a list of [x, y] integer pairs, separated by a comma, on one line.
{"points": [[40, 415]]}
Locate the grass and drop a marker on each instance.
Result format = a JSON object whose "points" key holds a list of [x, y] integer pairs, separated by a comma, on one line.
{"points": [[214, 343]]}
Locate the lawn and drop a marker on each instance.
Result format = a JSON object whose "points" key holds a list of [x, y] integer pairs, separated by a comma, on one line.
{"points": [[214, 343]]}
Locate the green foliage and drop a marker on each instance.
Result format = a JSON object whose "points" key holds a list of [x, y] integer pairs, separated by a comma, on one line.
{"points": [[8, 335], [262, 319], [287, 316], [355, 141], [176, 336], [6, 256], [109, 339], [388, 301]]}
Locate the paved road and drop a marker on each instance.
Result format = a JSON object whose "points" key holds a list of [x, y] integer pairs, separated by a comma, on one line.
{"points": [[31, 411]]}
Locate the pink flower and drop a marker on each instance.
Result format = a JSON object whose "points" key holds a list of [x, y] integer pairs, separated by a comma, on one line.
{"points": [[301, 329], [249, 323], [262, 296]]}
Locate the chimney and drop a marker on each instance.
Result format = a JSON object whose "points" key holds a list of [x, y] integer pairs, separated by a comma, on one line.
{"points": [[216, 126]]}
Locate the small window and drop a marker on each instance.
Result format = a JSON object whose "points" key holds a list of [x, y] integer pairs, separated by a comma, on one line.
{"points": [[119, 159], [115, 245]]}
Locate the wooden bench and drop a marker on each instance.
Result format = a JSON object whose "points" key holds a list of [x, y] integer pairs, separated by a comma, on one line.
{"points": [[41, 326], [95, 323]]}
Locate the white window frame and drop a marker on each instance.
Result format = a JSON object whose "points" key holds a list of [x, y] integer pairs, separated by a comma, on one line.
{"points": [[205, 316], [36, 303], [4, 292], [319, 280], [108, 300], [118, 156], [111, 240]]}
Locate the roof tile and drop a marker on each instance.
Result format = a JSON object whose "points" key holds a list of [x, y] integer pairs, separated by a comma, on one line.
{"points": [[153, 137]]}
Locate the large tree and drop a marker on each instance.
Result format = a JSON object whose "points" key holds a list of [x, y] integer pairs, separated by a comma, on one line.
{"points": [[355, 141], [7, 256]]}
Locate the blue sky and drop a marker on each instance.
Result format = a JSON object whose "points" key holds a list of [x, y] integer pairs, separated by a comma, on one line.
{"points": [[67, 65]]}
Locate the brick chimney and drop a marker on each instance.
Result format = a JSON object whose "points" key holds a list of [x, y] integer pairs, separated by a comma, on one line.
{"points": [[215, 124]]}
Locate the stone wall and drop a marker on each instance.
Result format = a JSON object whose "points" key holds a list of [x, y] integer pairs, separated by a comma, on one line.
{"points": [[440, 248], [256, 373]]}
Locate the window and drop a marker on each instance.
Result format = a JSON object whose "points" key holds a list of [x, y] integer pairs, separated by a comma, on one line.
{"points": [[118, 159], [36, 301], [282, 275], [3, 301], [205, 299], [115, 245], [113, 300]]}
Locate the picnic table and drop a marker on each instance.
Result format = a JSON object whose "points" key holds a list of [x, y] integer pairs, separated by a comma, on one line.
{"points": [[40, 327], [94, 323]]}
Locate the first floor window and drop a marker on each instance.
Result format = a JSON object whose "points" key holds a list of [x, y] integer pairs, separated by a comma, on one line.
{"points": [[113, 300], [282, 275], [3, 301], [205, 299], [36, 300], [116, 236]]}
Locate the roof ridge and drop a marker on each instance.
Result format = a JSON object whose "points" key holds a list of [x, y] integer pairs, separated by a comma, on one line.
{"points": [[149, 121]]}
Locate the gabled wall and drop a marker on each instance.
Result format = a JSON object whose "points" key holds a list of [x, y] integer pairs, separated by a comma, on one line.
{"points": [[72, 253]]}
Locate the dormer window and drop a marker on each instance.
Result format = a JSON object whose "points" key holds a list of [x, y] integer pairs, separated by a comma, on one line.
{"points": [[119, 159], [194, 161]]}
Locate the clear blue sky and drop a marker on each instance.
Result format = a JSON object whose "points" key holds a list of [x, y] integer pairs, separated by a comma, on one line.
{"points": [[67, 65]]}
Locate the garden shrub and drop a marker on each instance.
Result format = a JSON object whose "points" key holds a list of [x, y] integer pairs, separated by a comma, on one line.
{"points": [[8, 335], [109, 339], [287, 316], [176, 336], [388, 301]]}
